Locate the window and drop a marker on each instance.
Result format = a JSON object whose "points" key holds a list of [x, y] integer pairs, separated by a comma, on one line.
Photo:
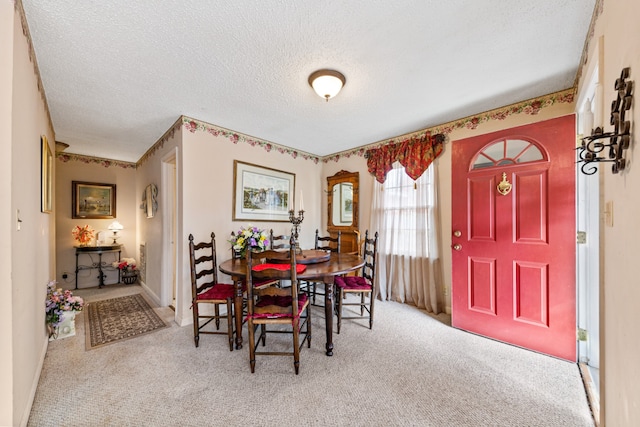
{"points": [[507, 152], [403, 208]]}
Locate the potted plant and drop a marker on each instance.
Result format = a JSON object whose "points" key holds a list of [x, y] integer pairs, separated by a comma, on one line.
{"points": [[128, 269], [61, 308]]}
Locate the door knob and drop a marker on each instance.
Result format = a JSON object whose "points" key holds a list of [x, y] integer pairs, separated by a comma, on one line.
{"points": [[457, 233], [457, 247]]}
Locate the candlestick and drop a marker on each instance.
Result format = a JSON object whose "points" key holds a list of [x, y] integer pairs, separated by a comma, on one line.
{"points": [[296, 221]]}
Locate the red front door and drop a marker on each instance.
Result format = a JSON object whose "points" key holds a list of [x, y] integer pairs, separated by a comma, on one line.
{"points": [[513, 236]]}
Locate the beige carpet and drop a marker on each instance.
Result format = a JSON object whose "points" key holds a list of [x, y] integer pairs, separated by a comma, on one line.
{"points": [[115, 319], [412, 369]]}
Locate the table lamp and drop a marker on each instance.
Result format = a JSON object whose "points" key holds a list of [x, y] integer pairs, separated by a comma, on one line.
{"points": [[115, 228]]}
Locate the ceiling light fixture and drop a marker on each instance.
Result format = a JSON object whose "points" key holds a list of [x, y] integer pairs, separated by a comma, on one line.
{"points": [[327, 83]]}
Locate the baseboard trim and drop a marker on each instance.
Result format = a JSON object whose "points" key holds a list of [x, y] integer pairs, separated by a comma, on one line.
{"points": [[34, 385], [592, 395]]}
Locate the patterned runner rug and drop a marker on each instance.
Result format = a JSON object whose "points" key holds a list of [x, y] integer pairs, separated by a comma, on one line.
{"points": [[115, 319]]}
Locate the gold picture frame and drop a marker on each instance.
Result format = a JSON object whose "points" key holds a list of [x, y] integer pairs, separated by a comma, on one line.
{"points": [[46, 175], [261, 193], [92, 200]]}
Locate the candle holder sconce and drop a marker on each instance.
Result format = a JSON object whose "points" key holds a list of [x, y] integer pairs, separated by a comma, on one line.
{"points": [[592, 147]]}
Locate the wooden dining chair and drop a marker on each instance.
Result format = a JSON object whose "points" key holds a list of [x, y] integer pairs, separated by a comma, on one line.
{"points": [[205, 289], [327, 243], [278, 241], [362, 285], [274, 306]]}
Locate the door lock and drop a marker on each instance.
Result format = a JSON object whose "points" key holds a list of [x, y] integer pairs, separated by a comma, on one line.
{"points": [[457, 233], [457, 247]]}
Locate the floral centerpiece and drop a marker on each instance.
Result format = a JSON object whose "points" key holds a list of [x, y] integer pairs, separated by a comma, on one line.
{"points": [[58, 303], [249, 237], [83, 235]]}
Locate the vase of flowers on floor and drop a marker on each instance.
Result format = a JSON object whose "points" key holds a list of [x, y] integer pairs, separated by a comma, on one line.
{"points": [[83, 235], [61, 308], [128, 270], [249, 237]]}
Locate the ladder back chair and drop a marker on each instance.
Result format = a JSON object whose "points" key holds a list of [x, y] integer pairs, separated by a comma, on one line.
{"points": [[205, 289], [327, 243], [362, 286], [278, 242], [276, 307]]}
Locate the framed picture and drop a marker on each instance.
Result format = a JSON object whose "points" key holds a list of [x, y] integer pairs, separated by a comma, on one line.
{"points": [[346, 202], [46, 174], [93, 200], [150, 200], [261, 194]]}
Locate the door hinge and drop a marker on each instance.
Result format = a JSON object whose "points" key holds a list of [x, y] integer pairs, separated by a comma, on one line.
{"points": [[582, 237], [582, 334]]}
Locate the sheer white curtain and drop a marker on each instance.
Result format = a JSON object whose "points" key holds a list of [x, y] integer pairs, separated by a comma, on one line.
{"points": [[405, 214]]}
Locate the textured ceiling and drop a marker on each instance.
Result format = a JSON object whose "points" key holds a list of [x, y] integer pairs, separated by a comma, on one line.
{"points": [[118, 74]]}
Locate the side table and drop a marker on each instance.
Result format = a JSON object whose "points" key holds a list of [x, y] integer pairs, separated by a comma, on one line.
{"points": [[99, 250]]}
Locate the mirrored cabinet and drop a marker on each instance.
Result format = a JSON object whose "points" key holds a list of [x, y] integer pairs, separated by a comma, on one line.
{"points": [[342, 208]]}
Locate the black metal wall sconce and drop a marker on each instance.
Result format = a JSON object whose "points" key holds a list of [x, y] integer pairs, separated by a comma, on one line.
{"points": [[592, 147]]}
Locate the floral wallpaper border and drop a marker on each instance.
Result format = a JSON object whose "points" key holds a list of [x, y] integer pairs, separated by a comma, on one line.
{"points": [[193, 126], [67, 157], [531, 107], [597, 11]]}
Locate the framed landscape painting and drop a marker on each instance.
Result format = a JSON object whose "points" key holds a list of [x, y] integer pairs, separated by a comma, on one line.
{"points": [[92, 200], [261, 193]]}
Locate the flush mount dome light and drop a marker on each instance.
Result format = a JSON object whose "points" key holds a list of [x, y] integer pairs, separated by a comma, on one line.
{"points": [[327, 83]]}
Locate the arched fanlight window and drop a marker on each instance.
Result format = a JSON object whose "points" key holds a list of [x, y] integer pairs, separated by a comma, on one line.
{"points": [[507, 152]]}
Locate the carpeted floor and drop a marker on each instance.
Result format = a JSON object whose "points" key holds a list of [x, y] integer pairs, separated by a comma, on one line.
{"points": [[412, 369], [114, 319]]}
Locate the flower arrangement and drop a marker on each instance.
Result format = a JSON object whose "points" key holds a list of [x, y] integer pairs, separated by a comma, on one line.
{"points": [[125, 265], [249, 237], [58, 302], [83, 235]]}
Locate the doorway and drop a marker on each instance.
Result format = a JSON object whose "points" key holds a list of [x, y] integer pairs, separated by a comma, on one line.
{"points": [[513, 218], [170, 294]]}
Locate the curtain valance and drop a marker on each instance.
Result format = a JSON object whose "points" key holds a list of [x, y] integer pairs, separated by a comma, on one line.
{"points": [[415, 154]]}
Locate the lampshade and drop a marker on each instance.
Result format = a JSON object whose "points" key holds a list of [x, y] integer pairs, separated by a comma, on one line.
{"points": [[327, 83], [115, 225]]}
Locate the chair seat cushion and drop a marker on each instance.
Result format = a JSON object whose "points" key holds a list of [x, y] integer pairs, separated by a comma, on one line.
{"points": [[353, 283], [282, 301], [280, 267], [219, 291]]}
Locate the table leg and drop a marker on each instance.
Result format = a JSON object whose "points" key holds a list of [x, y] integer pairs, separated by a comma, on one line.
{"points": [[77, 269], [237, 308], [328, 312], [101, 278]]}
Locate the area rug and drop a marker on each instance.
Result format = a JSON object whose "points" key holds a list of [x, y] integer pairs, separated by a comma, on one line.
{"points": [[112, 320]]}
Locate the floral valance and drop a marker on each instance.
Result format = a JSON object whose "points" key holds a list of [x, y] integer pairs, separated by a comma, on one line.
{"points": [[415, 154]]}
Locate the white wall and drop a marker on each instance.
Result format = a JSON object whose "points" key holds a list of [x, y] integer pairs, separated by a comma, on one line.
{"points": [[619, 369], [151, 230], [28, 255], [6, 285], [206, 169]]}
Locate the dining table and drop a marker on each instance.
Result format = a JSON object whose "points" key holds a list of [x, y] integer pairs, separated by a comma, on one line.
{"points": [[321, 266]]}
